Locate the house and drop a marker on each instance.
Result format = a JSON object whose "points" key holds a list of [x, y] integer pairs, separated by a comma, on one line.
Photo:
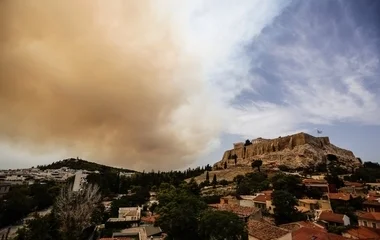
{"points": [[305, 233], [362, 233], [318, 177], [247, 200], [130, 213], [324, 205], [150, 220], [328, 218], [322, 185], [260, 201], [261, 230], [244, 213], [341, 197], [128, 217], [372, 204], [139, 233], [310, 204], [297, 225], [353, 188], [369, 219], [230, 200]]}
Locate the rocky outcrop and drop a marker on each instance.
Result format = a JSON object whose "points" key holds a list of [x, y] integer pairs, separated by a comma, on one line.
{"points": [[298, 150]]}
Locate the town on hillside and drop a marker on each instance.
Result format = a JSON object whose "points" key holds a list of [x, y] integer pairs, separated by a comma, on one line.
{"points": [[262, 201]]}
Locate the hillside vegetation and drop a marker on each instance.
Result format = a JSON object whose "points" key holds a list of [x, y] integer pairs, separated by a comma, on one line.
{"points": [[76, 163]]}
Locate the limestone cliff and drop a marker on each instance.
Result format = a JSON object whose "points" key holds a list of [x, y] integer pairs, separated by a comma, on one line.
{"points": [[298, 150]]}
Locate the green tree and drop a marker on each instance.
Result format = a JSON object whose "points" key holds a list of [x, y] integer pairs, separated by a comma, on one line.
{"points": [[193, 187], [221, 225], [251, 183], [179, 211], [247, 142], [214, 181], [285, 211], [289, 183], [283, 168], [207, 177], [257, 164], [41, 227]]}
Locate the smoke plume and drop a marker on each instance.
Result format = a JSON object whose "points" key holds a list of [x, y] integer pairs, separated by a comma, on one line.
{"points": [[100, 79]]}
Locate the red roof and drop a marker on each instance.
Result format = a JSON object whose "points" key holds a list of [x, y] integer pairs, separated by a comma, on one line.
{"points": [[370, 216], [262, 198], [353, 184], [340, 196], [309, 233], [313, 181], [150, 219], [372, 198], [331, 217], [363, 233], [264, 231], [297, 225]]}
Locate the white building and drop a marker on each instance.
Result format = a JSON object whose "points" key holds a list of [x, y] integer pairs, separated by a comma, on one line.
{"points": [[80, 179]]}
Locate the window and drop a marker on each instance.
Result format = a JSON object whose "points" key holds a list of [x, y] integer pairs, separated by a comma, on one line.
{"points": [[374, 225], [365, 223]]}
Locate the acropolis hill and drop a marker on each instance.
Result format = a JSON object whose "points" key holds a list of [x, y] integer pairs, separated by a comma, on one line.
{"points": [[298, 150]]}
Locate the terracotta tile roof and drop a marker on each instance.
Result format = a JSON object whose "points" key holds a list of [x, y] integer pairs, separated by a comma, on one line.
{"points": [[313, 181], [262, 198], [297, 225], [370, 216], [150, 219], [308, 233], [331, 217], [374, 194], [238, 210], [363, 233], [353, 184], [340, 196], [372, 203], [372, 198], [264, 231]]}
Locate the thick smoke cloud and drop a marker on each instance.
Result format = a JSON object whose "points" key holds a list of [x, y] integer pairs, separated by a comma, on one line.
{"points": [[100, 79]]}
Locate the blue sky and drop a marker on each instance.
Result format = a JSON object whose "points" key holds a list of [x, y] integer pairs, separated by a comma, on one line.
{"points": [[318, 67], [254, 69]]}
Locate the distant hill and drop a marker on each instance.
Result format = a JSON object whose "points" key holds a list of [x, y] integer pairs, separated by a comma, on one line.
{"points": [[76, 163]]}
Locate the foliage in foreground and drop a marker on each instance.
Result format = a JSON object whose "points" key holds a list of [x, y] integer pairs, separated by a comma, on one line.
{"points": [[184, 215]]}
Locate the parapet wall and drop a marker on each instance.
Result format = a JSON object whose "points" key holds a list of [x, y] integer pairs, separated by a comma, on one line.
{"points": [[297, 149]]}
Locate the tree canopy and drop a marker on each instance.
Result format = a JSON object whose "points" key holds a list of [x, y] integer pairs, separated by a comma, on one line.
{"points": [[285, 211], [257, 164], [221, 225]]}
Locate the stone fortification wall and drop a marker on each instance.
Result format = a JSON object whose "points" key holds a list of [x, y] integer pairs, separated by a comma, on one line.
{"points": [[294, 150]]}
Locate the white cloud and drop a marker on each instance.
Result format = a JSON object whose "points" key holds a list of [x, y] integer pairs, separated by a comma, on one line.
{"points": [[323, 74]]}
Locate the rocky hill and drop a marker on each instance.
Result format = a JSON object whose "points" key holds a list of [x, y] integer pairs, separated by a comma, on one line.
{"points": [[298, 150]]}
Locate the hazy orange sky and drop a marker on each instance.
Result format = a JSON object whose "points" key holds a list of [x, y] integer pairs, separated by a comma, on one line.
{"points": [[170, 84]]}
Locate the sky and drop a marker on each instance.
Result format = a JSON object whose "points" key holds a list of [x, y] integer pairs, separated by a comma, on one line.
{"points": [[167, 84]]}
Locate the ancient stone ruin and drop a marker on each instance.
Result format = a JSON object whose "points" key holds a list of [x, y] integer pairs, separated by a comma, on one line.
{"points": [[298, 150]]}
